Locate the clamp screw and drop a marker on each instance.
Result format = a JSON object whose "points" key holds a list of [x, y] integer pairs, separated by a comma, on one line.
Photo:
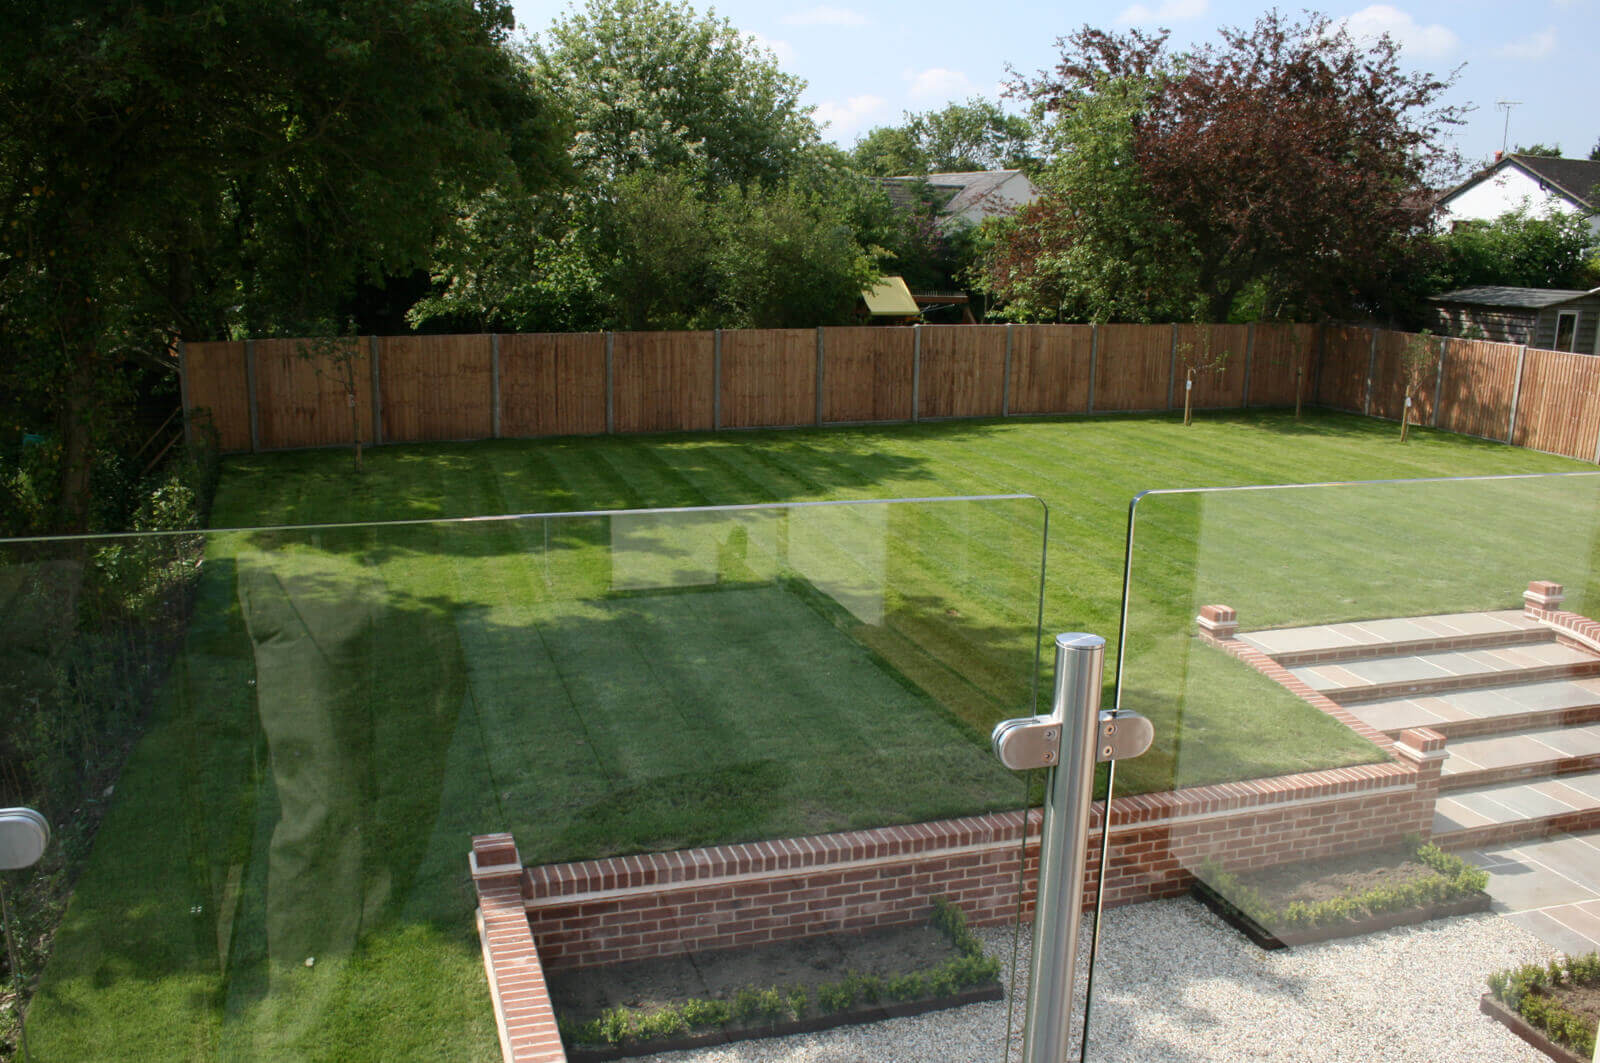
{"points": [[1107, 751]]}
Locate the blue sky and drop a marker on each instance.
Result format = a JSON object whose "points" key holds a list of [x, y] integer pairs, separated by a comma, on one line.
{"points": [[865, 64]]}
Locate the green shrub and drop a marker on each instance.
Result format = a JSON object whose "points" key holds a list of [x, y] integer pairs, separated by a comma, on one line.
{"points": [[836, 996], [1526, 991]]}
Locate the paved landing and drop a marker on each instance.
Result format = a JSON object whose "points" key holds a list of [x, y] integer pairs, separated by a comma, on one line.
{"points": [[1458, 706], [1485, 665], [1521, 749], [1549, 887], [1380, 633], [1517, 802]]}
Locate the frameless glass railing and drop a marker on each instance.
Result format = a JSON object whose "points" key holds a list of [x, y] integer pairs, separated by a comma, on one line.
{"points": [[1374, 777], [265, 754]]}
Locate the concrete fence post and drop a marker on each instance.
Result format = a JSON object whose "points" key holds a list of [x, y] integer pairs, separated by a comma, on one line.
{"points": [[1005, 385], [916, 372], [494, 384], [1172, 368], [716, 380], [1094, 358], [1438, 383], [1249, 357], [250, 393], [373, 347], [611, 416], [820, 368], [1516, 394], [1372, 367]]}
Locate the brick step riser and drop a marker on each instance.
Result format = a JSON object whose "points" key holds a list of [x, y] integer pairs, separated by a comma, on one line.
{"points": [[1496, 640], [1578, 716], [1501, 833], [1454, 683], [1544, 769]]}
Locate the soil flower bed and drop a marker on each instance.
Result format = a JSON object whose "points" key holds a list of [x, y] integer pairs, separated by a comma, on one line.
{"points": [[1555, 1008], [775, 990], [1296, 904]]}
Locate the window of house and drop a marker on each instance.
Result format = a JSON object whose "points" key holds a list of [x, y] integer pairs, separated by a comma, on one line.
{"points": [[1566, 330]]}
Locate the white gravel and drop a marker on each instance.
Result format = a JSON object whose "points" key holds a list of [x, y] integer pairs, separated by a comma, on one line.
{"points": [[1177, 985]]}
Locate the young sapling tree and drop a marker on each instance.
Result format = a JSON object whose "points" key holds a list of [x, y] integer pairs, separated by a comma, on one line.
{"points": [[338, 357], [1418, 361], [1196, 358]]}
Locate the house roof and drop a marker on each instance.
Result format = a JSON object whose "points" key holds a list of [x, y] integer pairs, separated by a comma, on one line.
{"points": [[1575, 179], [1520, 298], [954, 191]]}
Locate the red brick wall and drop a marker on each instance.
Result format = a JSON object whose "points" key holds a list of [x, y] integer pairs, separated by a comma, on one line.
{"points": [[606, 911]]}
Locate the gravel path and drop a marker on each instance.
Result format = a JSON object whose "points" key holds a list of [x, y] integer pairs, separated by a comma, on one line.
{"points": [[1177, 985]]}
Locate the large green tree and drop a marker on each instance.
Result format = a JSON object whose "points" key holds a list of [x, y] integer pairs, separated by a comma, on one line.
{"points": [[653, 84], [1287, 163], [703, 198], [975, 135], [1521, 250], [178, 169]]}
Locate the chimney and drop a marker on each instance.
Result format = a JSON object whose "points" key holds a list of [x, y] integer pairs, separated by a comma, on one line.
{"points": [[1498, 155]]}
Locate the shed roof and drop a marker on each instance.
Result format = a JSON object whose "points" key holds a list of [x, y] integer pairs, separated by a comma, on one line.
{"points": [[1500, 295]]}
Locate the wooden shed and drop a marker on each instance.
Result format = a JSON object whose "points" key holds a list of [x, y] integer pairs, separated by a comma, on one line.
{"points": [[1555, 319]]}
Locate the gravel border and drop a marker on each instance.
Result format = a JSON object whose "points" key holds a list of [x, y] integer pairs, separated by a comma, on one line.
{"points": [[1176, 984]]}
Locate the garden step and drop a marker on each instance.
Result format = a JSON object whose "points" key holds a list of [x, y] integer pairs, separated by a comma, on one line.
{"points": [[1326, 643], [1525, 755], [1489, 815], [1463, 714], [1412, 675]]}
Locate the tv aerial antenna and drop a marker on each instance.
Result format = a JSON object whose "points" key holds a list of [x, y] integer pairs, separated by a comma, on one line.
{"points": [[1505, 134]]}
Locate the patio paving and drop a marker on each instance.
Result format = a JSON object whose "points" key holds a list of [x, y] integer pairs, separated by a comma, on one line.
{"points": [[1549, 886], [1521, 710]]}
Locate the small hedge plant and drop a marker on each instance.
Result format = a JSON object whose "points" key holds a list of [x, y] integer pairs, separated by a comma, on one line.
{"points": [[755, 1006], [1455, 880], [1526, 991]]}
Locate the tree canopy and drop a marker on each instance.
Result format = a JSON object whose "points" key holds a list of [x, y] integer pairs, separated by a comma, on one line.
{"points": [[208, 165], [1285, 164], [1521, 250], [975, 135]]}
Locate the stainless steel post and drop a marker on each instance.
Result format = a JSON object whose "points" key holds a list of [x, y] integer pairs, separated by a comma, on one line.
{"points": [[1064, 848]]}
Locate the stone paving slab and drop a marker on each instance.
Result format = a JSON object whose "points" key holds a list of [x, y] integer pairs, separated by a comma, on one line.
{"points": [[1550, 887], [1455, 706], [1516, 802], [1421, 668], [1524, 748], [1379, 632]]}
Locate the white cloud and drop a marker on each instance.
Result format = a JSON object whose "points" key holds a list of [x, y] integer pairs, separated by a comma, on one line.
{"points": [[1417, 40], [939, 83], [825, 16], [782, 50], [1533, 46], [844, 120], [1166, 11]]}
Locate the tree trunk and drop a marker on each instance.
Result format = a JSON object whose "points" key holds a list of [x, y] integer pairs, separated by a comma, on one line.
{"points": [[77, 447], [1188, 394]]}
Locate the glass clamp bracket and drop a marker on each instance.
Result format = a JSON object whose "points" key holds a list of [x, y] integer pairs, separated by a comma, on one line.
{"points": [[1067, 744]]}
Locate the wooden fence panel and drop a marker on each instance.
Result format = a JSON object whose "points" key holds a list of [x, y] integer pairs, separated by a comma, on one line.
{"points": [[1558, 406], [435, 388], [300, 391], [963, 371], [1479, 379], [1282, 352], [1219, 388], [1342, 378], [214, 381], [769, 378], [866, 373], [1388, 378], [553, 384], [1050, 368], [1133, 368], [662, 381]]}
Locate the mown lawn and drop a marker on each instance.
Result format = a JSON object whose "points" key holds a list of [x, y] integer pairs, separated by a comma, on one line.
{"points": [[353, 704]]}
